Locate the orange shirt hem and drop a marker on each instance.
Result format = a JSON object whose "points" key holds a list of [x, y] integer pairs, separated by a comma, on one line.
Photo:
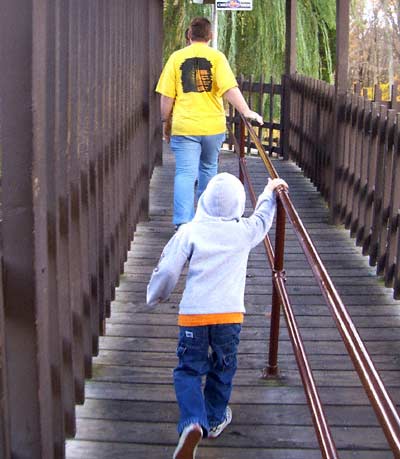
{"points": [[196, 320]]}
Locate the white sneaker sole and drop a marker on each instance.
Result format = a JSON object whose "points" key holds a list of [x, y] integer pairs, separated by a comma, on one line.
{"points": [[188, 443], [225, 424]]}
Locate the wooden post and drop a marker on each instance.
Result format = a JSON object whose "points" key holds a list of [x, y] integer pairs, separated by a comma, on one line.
{"points": [[155, 61], [290, 52], [26, 354], [342, 45], [61, 141], [290, 68], [342, 57]]}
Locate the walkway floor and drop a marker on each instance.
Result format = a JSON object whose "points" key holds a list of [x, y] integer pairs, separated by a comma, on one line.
{"points": [[130, 409]]}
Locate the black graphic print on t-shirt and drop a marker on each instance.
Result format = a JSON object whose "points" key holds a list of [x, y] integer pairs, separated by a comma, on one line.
{"points": [[196, 75]]}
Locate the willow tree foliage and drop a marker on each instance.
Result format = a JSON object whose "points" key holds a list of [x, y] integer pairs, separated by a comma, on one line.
{"points": [[254, 42]]}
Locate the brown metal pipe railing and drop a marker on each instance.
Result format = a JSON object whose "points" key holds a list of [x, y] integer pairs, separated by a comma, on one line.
{"points": [[280, 296], [384, 407]]}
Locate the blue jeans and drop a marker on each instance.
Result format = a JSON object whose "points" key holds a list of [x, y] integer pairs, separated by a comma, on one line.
{"points": [[195, 157], [219, 366]]}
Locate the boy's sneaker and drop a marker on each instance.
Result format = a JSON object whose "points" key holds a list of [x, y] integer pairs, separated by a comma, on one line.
{"points": [[216, 431], [188, 441]]}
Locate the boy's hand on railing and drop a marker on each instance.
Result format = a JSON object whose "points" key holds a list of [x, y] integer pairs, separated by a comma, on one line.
{"points": [[254, 116], [273, 184]]}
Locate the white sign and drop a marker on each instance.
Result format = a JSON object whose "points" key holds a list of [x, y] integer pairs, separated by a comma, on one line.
{"points": [[235, 5]]}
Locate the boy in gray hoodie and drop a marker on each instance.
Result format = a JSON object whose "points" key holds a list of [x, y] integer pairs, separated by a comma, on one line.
{"points": [[216, 243]]}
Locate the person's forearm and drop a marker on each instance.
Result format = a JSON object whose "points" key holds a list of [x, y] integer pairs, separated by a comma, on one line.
{"points": [[166, 105], [235, 97]]}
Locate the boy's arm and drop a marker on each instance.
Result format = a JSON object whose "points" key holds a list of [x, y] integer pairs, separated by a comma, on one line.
{"points": [[261, 220], [166, 274]]}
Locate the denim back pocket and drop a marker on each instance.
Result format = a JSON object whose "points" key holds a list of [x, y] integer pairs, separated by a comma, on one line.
{"points": [[192, 345]]}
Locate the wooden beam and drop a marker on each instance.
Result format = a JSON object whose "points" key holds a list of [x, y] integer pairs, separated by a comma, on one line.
{"points": [[342, 58], [342, 44], [290, 53], [290, 68], [22, 373]]}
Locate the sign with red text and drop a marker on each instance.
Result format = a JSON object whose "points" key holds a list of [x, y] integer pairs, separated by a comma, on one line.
{"points": [[235, 5]]}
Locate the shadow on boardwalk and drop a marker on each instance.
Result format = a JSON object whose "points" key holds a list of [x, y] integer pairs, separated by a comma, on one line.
{"points": [[130, 409]]}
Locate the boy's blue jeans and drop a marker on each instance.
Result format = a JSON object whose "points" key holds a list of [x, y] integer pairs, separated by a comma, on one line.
{"points": [[211, 351], [195, 157]]}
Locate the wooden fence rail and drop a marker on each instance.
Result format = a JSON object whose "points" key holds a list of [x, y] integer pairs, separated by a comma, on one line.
{"points": [[79, 137], [265, 98], [360, 140], [375, 94]]}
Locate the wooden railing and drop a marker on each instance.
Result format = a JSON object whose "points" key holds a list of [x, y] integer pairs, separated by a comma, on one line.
{"points": [[350, 148], [266, 99], [80, 134], [375, 94]]}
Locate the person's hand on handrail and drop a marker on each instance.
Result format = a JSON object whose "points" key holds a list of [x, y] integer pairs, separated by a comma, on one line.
{"points": [[274, 184], [235, 97], [254, 116]]}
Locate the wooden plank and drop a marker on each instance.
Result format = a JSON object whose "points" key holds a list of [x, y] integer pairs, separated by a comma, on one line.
{"points": [[346, 154], [336, 154], [62, 210], [394, 206], [377, 221], [169, 344], [387, 192], [115, 358], [354, 217], [259, 309], [81, 181], [93, 146], [359, 228], [75, 279], [264, 436], [5, 446], [101, 450], [168, 411], [165, 318], [375, 127], [44, 207], [353, 151]]}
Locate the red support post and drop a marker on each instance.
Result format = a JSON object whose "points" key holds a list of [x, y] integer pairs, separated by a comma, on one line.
{"points": [[242, 143], [278, 272]]}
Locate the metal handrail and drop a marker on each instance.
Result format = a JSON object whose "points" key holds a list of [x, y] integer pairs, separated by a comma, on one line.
{"points": [[280, 296], [381, 402]]}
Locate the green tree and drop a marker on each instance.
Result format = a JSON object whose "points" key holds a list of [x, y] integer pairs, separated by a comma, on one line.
{"points": [[254, 42]]}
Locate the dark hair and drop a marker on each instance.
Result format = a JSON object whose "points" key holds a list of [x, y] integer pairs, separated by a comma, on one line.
{"points": [[200, 29]]}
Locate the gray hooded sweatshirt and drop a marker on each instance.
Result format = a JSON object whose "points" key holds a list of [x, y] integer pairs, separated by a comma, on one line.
{"points": [[216, 243]]}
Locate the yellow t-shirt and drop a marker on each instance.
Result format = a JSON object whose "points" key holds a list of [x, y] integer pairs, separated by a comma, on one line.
{"points": [[197, 77]]}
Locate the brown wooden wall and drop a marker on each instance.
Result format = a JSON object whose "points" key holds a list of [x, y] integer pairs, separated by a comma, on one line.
{"points": [[79, 137], [350, 148]]}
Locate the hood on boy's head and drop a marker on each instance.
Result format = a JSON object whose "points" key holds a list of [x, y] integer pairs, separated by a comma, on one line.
{"points": [[224, 197]]}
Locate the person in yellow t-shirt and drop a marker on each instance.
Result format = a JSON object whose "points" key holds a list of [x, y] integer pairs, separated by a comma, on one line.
{"points": [[192, 86]]}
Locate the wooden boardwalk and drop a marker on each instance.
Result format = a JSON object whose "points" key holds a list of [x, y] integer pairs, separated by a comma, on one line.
{"points": [[130, 409]]}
